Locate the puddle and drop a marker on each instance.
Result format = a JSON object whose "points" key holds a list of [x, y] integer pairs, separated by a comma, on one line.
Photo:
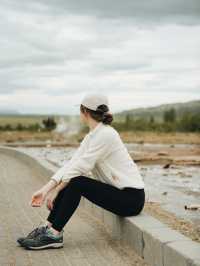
{"points": [[174, 188]]}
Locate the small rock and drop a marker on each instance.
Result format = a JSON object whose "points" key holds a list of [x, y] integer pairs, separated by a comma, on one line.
{"points": [[163, 153], [192, 207], [166, 166]]}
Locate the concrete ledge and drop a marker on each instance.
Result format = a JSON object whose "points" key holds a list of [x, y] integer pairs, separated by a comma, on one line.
{"points": [[154, 241]]}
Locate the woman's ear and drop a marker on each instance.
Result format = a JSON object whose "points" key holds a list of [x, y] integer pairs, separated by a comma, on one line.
{"points": [[85, 115]]}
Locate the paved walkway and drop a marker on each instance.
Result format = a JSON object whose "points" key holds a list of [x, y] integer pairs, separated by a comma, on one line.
{"points": [[85, 240]]}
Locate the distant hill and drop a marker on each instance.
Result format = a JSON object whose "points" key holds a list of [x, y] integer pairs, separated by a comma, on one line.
{"points": [[9, 112], [157, 111], [13, 116]]}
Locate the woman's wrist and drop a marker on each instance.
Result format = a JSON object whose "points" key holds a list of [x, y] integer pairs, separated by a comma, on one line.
{"points": [[61, 185], [49, 186], [58, 188]]}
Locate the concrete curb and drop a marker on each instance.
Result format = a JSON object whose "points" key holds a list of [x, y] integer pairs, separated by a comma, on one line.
{"points": [[154, 241]]}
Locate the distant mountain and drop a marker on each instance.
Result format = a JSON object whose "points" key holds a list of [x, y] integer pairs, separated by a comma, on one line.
{"points": [[9, 112], [157, 111]]}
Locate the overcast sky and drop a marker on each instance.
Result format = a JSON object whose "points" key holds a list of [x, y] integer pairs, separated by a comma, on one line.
{"points": [[139, 53]]}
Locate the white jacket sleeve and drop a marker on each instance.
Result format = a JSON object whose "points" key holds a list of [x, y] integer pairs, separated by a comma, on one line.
{"points": [[58, 175], [98, 148]]}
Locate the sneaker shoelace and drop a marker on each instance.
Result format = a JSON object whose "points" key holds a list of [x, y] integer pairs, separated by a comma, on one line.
{"points": [[36, 231]]}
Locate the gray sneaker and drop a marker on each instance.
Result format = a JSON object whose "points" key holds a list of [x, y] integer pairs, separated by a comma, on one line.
{"points": [[33, 233], [46, 239]]}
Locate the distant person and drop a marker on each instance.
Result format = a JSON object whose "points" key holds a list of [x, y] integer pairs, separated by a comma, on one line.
{"points": [[118, 187]]}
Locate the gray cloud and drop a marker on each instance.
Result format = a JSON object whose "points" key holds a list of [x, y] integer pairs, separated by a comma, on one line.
{"points": [[57, 50], [181, 11]]}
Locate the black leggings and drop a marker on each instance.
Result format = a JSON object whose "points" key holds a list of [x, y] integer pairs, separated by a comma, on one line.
{"points": [[127, 201]]}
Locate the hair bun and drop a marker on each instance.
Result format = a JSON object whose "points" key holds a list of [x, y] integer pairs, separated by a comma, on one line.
{"points": [[107, 118]]}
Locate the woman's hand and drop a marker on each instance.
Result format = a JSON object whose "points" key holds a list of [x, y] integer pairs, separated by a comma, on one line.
{"points": [[38, 198], [53, 194], [50, 198]]}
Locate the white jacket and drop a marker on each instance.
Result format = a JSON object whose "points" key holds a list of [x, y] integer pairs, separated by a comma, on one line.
{"points": [[103, 154]]}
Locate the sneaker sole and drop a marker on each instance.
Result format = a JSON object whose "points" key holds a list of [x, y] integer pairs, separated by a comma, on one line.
{"points": [[52, 245]]}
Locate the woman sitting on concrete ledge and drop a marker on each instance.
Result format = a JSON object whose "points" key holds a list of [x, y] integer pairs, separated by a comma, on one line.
{"points": [[119, 187]]}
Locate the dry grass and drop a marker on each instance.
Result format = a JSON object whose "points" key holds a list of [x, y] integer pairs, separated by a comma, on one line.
{"points": [[135, 137], [23, 136], [155, 137]]}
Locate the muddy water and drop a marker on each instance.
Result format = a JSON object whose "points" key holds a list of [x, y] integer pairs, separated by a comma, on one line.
{"points": [[173, 187]]}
